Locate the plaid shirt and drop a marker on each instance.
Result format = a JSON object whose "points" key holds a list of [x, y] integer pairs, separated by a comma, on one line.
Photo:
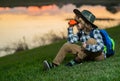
{"points": [[81, 36]]}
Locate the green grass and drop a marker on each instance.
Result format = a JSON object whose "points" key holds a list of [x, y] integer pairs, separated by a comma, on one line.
{"points": [[27, 65]]}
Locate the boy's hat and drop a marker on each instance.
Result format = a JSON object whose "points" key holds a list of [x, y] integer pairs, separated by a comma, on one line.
{"points": [[86, 15]]}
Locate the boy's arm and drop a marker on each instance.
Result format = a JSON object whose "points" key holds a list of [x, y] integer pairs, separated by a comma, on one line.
{"points": [[99, 46], [72, 38]]}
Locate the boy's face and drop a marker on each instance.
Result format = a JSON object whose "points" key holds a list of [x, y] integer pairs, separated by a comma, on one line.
{"points": [[83, 25]]}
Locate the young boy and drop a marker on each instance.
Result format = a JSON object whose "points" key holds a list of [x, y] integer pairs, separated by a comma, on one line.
{"points": [[92, 48]]}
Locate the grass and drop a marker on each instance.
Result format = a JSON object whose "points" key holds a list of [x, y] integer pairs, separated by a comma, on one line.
{"points": [[27, 65]]}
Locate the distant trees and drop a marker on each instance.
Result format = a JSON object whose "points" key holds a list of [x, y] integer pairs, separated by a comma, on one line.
{"points": [[49, 37], [22, 44]]}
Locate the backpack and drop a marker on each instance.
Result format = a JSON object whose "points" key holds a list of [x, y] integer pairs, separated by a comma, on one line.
{"points": [[109, 43]]}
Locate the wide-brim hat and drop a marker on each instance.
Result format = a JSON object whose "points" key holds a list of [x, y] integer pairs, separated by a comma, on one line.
{"points": [[86, 15]]}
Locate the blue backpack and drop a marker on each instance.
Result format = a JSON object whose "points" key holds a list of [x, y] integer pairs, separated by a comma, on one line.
{"points": [[109, 43]]}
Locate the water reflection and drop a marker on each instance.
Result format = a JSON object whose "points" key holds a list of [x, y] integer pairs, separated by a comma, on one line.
{"points": [[34, 22]]}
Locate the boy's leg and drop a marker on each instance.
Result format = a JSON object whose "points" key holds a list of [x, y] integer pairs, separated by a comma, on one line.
{"points": [[100, 57], [95, 56], [68, 48], [91, 41]]}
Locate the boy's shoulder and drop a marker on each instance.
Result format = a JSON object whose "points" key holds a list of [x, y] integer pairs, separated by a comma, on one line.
{"points": [[96, 31]]}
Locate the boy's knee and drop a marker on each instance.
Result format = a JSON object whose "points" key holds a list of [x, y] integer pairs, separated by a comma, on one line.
{"points": [[66, 46], [91, 41]]}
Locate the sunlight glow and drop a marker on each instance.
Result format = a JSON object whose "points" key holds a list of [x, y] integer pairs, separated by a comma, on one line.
{"points": [[33, 9]]}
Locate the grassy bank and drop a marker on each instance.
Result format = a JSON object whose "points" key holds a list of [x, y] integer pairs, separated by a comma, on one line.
{"points": [[27, 65]]}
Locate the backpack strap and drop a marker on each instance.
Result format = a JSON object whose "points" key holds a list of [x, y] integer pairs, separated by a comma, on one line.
{"points": [[91, 34], [113, 43]]}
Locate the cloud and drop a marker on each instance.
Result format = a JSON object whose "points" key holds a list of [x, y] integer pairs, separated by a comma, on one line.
{"points": [[55, 10], [15, 10], [36, 10], [31, 10]]}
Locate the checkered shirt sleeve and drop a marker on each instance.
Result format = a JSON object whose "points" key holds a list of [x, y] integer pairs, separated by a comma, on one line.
{"points": [[72, 38]]}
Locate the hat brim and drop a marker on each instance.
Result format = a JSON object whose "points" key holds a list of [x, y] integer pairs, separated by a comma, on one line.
{"points": [[79, 14]]}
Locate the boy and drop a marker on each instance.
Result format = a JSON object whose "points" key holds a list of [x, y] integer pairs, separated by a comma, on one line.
{"points": [[92, 48]]}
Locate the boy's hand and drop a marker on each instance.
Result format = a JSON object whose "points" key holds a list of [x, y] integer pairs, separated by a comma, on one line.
{"points": [[84, 45]]}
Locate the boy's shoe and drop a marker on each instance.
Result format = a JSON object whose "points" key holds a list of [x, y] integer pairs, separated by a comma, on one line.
{"points": [[48, 65], [73, 62]]}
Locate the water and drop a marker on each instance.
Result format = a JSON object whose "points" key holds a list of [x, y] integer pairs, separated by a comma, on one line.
{"points": [[31, 23]]}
